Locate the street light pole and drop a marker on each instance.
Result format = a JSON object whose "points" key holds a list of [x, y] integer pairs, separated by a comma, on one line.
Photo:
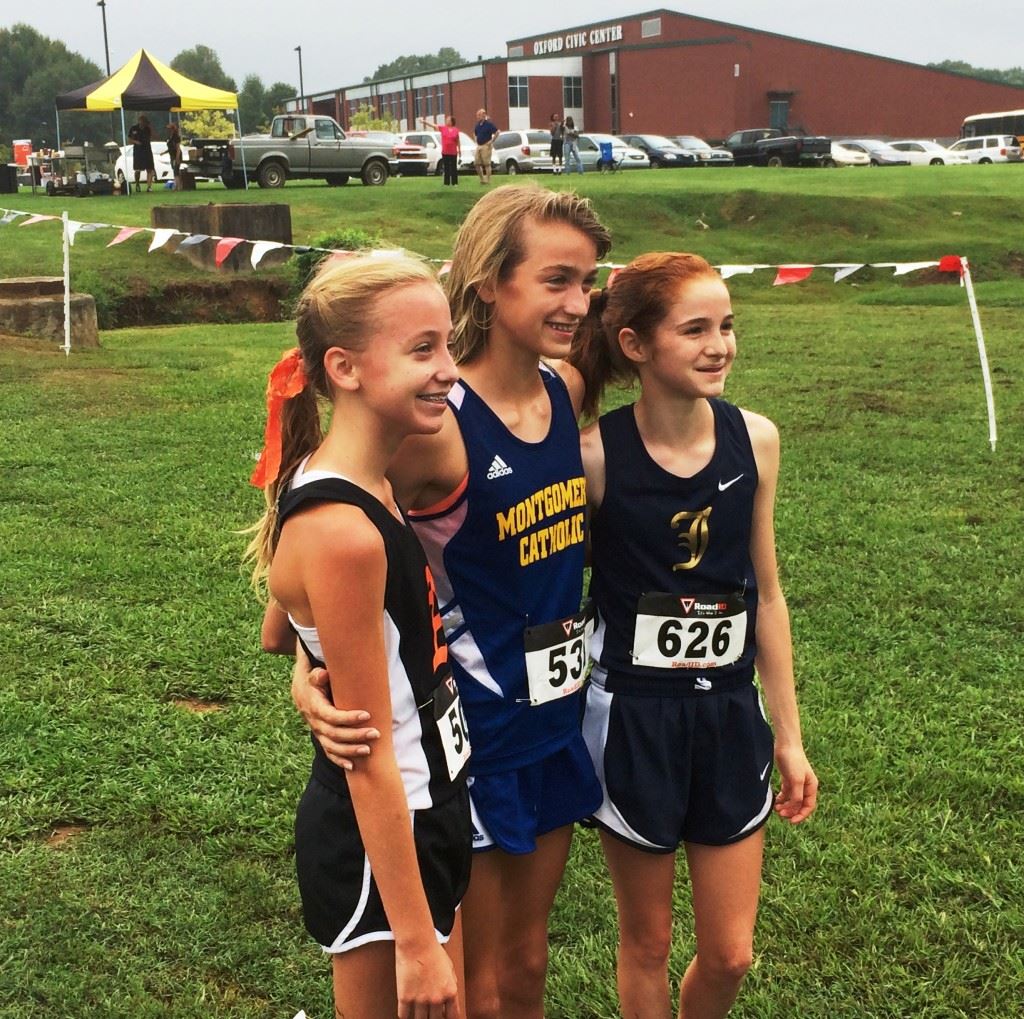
{"points": [[302, 88], [102, 5]]}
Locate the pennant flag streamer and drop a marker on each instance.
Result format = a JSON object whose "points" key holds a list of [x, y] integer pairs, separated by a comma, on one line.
{"points": [[124, 233], [726, 271], [191, 241], [792, 274], [10, 217], [846, 270], [75, 227], [260, 248], [953, 263], [902, 268], [224, 248], [161, 237], [37, 218]]}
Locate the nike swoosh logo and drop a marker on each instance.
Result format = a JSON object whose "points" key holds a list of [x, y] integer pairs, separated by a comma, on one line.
{"points": [[766, 767], [723, 485]]}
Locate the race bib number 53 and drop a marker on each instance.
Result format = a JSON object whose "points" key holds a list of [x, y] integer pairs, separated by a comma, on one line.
{"points": [[556, 656], [689, 632]]}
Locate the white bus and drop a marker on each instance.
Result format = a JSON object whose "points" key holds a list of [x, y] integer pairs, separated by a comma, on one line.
{"points": [[1010, 122]]}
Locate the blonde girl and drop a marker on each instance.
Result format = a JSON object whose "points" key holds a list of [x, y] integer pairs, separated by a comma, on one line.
{"points": [[383, 851]]}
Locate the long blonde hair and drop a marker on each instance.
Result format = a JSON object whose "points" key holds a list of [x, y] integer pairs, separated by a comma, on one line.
{"points": [[489, 246], [337, 309]]}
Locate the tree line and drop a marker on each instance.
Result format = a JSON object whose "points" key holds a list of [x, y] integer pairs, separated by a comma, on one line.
{"points": [[35, 69], [1011, 76]]}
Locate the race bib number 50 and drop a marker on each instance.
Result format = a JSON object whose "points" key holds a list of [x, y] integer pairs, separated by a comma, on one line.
{"points": [[681, 632], [451, 724], [556, 656]]}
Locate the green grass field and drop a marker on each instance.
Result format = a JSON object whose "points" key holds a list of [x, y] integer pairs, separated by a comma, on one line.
{"points": [[146, 845]]}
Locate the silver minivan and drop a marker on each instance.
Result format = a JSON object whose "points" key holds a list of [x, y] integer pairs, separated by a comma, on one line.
{"points": [[522, 151], [992, 148]]}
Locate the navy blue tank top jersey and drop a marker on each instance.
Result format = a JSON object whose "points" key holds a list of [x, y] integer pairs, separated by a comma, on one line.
{"points": [[507, 552], [672, 580], [428, 729]]}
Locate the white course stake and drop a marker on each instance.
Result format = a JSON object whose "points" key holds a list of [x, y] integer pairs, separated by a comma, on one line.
{"points": [[976, 318], [67, 286]]}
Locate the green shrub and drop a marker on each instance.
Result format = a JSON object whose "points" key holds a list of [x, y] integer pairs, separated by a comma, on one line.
{"points": [[305, 263]]}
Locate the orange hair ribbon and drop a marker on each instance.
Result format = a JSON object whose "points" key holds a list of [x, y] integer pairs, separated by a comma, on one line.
{"points": [[287, 379]]}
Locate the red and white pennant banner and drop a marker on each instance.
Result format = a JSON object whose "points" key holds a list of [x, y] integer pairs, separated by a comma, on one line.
{"points": [[784, 274]]}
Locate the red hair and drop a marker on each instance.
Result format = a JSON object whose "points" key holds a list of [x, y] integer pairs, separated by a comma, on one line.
{"points": [[638, 298]]}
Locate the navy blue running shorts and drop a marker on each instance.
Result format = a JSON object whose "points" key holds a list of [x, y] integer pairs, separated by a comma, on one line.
{"points": [[512, 808], [341, 905], [680, 769]]}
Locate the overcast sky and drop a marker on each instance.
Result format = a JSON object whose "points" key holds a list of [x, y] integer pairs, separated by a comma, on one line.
{"points": [[342, 43]]}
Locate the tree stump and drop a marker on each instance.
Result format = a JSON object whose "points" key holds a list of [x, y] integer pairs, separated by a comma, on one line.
{"points": [[34, 306]]}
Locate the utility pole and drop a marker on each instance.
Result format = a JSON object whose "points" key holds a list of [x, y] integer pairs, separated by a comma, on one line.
{"points": [[302, 88], [102, 5]]}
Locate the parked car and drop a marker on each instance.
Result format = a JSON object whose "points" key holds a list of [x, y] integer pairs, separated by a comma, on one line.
{"points": [[431, 142], [412, 157], [926, 153], [879, 153], [625, 157], [843, 155], [124, 168], [522, 151], [661, 151], [998, 148], [768, 146], [707, 155], [298, 146]]}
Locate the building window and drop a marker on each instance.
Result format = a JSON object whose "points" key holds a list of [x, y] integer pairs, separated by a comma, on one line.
{"points": [[515, 51], [440, 102], [650, 28], [572, 93], [518, 92]]}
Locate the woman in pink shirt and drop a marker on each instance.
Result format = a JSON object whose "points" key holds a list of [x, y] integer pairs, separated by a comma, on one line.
{"points": [[451, 148]]}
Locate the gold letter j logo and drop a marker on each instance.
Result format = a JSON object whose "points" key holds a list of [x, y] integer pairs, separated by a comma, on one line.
{"points": [[693, 535]]}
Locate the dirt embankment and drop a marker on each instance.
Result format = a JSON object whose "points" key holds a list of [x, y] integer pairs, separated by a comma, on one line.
{"points": [[227, 300]]}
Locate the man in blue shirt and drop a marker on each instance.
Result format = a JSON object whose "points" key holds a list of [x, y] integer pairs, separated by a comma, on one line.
{"points": [[485, 130]]}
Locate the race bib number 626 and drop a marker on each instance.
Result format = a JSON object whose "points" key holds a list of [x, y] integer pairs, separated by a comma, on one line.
{"points": [[696, 632]]}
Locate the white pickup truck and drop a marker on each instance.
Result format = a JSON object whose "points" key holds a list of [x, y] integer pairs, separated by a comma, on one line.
{"points": [[299, 146]]}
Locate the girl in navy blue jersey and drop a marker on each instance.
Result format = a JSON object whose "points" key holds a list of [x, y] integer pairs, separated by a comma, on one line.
{"points": [[382, 852], [681, 488]]}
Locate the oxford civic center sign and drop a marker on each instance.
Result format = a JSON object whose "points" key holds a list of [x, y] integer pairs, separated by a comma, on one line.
{"points": [[578, 40]]}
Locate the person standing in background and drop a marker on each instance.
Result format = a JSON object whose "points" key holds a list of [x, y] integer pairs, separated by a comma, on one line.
{"points": [[451, 148], [141, 136], [174, 153], [484, 130], [557, 142], [572, 145]]}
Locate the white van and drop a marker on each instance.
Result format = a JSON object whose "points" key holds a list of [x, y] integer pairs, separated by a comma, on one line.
{"points": [[992, 148]]}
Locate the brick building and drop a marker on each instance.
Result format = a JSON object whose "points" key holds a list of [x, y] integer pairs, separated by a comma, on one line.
{"points": [[671, 73]]}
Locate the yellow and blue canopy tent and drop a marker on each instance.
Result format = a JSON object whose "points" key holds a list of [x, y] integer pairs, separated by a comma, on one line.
{"points": [[145, 83]]}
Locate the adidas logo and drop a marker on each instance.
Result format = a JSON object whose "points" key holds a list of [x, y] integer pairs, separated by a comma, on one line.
{"points": [[498, 469]]}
